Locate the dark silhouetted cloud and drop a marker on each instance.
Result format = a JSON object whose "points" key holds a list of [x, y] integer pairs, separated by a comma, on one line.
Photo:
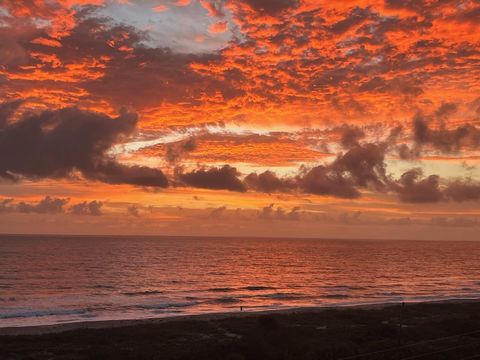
{"points": [[175, 151], [445, 139], [271, 7], [413, 188], [351, 136], [269, 182], [361, 166], [224, 178], [269, 213], [320, 180], [463, 190], [48, 205], [54, 144], [7, 109], [93, 208], [133, 210], [218, 213]]}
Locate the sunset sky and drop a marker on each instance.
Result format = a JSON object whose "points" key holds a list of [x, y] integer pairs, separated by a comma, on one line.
{"points": [[300, 118]]}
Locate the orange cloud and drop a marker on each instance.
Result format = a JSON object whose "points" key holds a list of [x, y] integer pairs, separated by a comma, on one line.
{"points": [[214, 7], [182, 2], [296, 69], [219, 27], [160, 8], [47, 42]]}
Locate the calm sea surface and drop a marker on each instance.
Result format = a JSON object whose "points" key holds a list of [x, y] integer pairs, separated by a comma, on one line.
{"points": [[46, 280]]}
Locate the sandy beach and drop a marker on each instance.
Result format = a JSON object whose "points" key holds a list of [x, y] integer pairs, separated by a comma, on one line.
{"points": [[324, 333], [244, 313], [106, 324]]}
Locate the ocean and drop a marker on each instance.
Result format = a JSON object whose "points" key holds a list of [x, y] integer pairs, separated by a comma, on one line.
{"points": [[58, 279]]}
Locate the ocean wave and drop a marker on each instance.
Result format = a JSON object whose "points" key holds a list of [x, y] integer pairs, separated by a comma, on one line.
{"points": [[247, 288], [5, 299], [392, 293], [344, 287], [41, 313], [225, 300], [166, 305], [336, 296], [140, 293], [101, 286], [283, 296], [221, 289], [257, 288]]}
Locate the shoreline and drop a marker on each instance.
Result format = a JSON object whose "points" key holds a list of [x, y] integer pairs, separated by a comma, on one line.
{"points": [[122, 323], [449, 330]]}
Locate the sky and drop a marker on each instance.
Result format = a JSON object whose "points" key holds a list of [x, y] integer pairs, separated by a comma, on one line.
{"points": [[298, 118]]}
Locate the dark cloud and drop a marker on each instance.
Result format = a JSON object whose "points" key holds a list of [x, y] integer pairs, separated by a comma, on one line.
{"points": [[123, 71], [55, 144], [175, 151], [137, 75], [405, 86], [445, 111], [351, 136], [420, 129], [424, 7], [218, 213], [406, 152], [7, 109], [133, 210], [112, 172], [269, 213], [13, 38], [444, 139], [321, 180], [365, 164], [468, 15], [269, 182], [48, 205], [349, 217], [413, 188], [93, 208], [463, 190], [271, 7], [6, 205], [224, 178], [132, 80], [354, 18]]}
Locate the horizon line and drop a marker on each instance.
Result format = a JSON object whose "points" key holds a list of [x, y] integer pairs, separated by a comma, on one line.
{"points": [[260, 237]]}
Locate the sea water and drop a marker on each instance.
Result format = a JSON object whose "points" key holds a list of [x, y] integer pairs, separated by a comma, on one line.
{"points": [[56, 279]]}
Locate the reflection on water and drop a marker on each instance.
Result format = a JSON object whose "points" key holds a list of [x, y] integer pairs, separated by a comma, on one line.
{"points": [[45, 280]]}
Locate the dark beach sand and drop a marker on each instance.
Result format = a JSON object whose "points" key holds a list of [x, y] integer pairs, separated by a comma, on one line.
{"points": [[443, 330]]}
